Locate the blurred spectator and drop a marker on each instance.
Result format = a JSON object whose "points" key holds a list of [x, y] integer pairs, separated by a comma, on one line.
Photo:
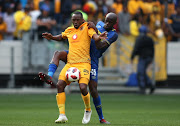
{"points": [[123, 21], [36, 4], [66, 11], [9, 19], [57, 11], [34, 15], [144, 48], [48, 5], [76, 5], [1, 12], [177, 3], [102, 3], [23, 21], [8, 3], [23, 3], [170, 9], [117, 6], [3, 28], [135, 24], [133, 6], [175, 26], [101, 11], [45, 23], [147, 6], [154, 19], [90, 8]]}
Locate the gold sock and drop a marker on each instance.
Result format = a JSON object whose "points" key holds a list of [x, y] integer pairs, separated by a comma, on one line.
{"points": [[86, 100], [61, 98]]}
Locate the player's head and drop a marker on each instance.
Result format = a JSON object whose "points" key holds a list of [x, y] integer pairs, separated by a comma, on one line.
{"points": [[77, 19], [110, 21], [143, 29]]}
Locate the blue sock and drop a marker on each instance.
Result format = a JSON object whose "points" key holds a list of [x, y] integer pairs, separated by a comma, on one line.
{"points": [[52, 69], [97, 104]]}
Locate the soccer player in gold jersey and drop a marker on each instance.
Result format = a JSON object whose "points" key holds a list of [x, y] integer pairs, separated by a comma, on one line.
{"points": [[79, 37]]}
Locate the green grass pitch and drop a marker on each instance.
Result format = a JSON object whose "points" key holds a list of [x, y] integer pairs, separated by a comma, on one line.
{"points": [[119, 109]]}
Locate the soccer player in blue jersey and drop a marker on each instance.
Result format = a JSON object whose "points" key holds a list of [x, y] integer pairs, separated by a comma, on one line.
{"points": [[96, 51]]}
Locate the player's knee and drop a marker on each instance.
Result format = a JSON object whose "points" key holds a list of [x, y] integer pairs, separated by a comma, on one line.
{"points": [[83, 88], [60, 86], [56, 53]]}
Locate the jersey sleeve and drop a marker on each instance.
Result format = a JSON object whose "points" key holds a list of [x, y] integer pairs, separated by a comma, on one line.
{"points": [[112, 38], [91, 32], [65, 33]]}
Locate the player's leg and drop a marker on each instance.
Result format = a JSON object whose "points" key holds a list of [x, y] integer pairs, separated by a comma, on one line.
{"points": [[148, 81], [58, 55], [61, 96], [86, 98], [83, 83], [141, 71], [97, 100]]}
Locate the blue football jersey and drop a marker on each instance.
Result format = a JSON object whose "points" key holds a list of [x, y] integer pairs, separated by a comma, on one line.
{"points": [[97, 53]]}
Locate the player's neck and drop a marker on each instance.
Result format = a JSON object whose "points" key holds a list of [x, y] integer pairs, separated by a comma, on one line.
{"points": [[108, 29], [80, 25]]}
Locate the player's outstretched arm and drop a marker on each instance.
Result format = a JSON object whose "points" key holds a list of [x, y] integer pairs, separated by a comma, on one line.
{"points": [[49, 36]]}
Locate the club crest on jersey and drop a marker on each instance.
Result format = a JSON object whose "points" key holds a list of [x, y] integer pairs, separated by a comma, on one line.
{"points": [[74, 37]]}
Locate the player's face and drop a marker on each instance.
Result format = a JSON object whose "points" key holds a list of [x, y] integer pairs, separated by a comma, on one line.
{"points": [[77, 20], [109, 23]]}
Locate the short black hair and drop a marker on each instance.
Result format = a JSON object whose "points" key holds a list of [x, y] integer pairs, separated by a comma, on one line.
{"points": [[78, 12]]}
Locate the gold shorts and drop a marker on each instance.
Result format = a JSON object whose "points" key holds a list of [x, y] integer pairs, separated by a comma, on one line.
{"points": [[84, 69]]}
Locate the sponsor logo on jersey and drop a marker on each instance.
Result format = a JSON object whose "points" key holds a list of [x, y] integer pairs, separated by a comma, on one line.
{"points": [[74, 37], [86, 72]]}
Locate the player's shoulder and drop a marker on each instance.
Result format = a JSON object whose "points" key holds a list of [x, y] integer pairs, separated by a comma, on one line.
{"points": [[85, 24], [100, 24], [113, 32], [112, 35], [69, 29]]}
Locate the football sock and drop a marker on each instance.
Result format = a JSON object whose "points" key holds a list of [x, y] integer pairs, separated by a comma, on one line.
{"points": [[86, 100], [61, 98], [52, 69], [98, 106]]}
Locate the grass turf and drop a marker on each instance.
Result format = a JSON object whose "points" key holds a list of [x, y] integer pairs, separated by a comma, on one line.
{"points": [[119, 109]]}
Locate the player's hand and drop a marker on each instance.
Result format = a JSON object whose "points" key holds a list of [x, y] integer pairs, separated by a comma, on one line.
{"points": [[103, 35], [91, 25], [46, 35]]}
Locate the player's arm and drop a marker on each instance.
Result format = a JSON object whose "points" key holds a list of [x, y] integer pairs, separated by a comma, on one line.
{"points": [[92, 25], [105, 43], [49, 36], [102, 44], [97, 38]]}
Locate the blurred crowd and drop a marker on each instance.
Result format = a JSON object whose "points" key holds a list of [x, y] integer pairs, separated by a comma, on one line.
{"points": [[18, 16]]}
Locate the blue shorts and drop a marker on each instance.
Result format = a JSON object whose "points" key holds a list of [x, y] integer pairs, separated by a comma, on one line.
{"points": [[94, 70]]}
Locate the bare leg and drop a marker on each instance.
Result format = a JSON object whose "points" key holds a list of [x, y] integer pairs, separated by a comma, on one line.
{"points": [[61, 98], [86, 98], [59, 55]]}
